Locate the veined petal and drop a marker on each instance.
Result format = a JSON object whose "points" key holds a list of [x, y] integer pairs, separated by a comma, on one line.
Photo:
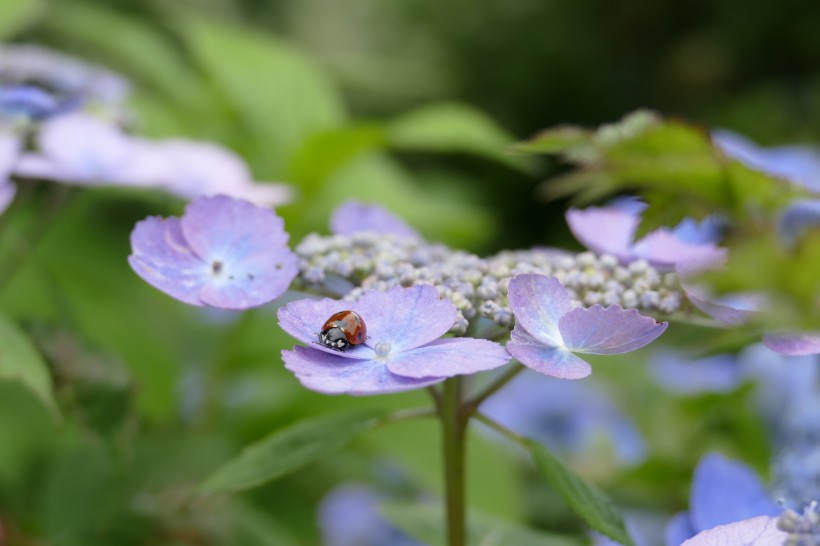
{"points": [[553, 361], [449, 357], [608, 331], [303, 319], [604, 230], [230, 230], [405, 318], [724, 491], [793, 344], [538, 302], [759, 531], [335, 374], [162, 258]]}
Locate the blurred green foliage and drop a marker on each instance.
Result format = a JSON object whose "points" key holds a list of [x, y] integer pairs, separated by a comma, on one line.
{"points": [[413, 104]]}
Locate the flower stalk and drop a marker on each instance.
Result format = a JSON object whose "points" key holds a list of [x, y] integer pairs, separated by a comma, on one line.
{"points": [[454, 427]]}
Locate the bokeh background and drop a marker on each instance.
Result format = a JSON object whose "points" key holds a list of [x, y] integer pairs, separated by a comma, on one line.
{"points": [[412, 104]]}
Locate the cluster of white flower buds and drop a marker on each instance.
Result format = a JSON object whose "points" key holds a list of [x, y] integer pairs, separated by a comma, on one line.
{"points": [[348, 265], [803, 528]]}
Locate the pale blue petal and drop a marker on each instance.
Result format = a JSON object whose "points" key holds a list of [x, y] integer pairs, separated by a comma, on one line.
{"points": [[538, 302], [552, 361], [760, 531], [608, 331], [353, 217], [335, 374], [679, 529], [449, 357]]}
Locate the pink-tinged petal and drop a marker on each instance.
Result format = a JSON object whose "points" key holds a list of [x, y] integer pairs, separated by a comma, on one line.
{"points": [[354, 217], [163, 259], [604, 230], [220, 227], [449, 357], [553, 361], [793, 344], [303, 319], [405, 317], [537, 303], [334, 374], [664, 250], [759, 531], [608, 331]]}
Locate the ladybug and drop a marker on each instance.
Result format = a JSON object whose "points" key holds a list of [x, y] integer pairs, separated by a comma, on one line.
{"points": [[343, 330]]}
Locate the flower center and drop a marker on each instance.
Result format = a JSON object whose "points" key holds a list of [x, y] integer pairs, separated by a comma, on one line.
{"points": [[383, 349]]}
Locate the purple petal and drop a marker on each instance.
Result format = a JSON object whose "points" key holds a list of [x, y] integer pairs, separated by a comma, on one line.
{"points": [[796, 220], [605, 230], [163, 259], [303, 319], [608, 331], [760, 531], [538, 302], [796, 344], [354, 217], [724, 491], [335, 374], [552, 361], [732, 309], [664, 250], [449, 357], [679, 529], [405, 317]]}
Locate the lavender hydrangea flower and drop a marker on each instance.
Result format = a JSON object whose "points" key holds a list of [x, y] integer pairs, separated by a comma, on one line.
{"points": [[574, 418], [192, 169], [353, 217], [82, 149], [223, 252], [799, 165], [759, 531], [723, 491], [612, 229], [548, 330], [403, 350], [349, 516]]}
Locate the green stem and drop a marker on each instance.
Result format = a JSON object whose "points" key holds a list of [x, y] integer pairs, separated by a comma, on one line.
{"points": [[495, 386], [454, 427]]}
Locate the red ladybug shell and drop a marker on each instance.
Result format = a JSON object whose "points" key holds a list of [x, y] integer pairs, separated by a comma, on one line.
{"points": [[350, 323]]}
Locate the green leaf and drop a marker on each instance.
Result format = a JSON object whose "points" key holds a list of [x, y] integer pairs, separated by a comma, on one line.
{"points": [[450, 127], [586, 500], [290, 449], [425, 522], [20, 361], [278, 94], [556, 140], [18, 15]]}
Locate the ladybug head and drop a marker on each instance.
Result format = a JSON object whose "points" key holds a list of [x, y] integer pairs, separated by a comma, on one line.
{"points": [[334, 338]]}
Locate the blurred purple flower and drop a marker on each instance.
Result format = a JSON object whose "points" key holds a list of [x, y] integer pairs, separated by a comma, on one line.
{"points": [[10, 145], [403, 350], [799, 165], [548, 330], [759, 531], [27, 102], [353, 217], [793, 344], [723, 491], [731, 309], [611, 230], [82, 149], [796, 220], [349, 516], [193, 169], [645, 529], [571, 417], [676, 373], [223, 252]]}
